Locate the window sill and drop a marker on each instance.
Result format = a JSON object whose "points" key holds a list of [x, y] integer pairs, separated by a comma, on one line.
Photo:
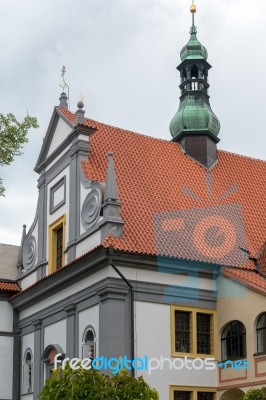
{"points": [[259, 354], [26, 394], [193, 355], [234, 359]]}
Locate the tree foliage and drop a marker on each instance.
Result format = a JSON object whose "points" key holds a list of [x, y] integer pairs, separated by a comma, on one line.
{"points": [[81, 384], [255, 394], [13, 135]]}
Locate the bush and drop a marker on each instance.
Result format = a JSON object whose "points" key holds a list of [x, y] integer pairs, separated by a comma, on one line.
{"points": [[81, 384], [255, 394]]}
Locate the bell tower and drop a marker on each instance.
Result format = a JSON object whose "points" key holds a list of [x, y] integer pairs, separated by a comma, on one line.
{"points": [[195, 126]]}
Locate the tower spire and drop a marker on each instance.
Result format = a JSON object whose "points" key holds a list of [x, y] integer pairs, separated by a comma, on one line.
{"points": [[193, 9], [195, 126]]}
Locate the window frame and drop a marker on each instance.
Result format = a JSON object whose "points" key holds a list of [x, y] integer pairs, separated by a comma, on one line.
{"points": [[194, 390], [224, 341], [193, 349], [260, 330], [86, 330], [25, 364], [52, 236]]}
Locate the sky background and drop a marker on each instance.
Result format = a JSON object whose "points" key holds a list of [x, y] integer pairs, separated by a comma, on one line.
{"points": [[121, 55]]}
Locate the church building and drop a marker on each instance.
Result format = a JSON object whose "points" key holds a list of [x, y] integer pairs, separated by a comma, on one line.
{"points": [[140, 247]]}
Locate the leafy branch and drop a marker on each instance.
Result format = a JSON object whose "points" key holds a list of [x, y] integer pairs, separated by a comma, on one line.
{"points": [[13, 135]]}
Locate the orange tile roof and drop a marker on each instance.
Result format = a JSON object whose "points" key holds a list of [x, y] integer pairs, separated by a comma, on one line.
{"points": [[249, 278], [9, 287], [261, 257], [159, 187]]}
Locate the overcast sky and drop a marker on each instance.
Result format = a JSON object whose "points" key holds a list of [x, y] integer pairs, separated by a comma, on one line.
{"points": [[122, 55]]}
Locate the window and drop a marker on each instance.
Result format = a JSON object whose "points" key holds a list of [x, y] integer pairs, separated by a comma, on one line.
{"points": [[234, 341], [89, 343], [261, 334], [27, 372], [192, 393], [48, 358], [56, 244], [193, 331], [182, 395]]}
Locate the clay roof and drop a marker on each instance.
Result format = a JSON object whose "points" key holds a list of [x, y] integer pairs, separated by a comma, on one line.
{"points": [[261, 257], [172, 206], [9, 287], [249, 278]]}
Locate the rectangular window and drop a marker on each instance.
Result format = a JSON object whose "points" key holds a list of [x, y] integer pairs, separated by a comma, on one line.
{"points": [[203, 333], [181, 395], [192, 393], [56, 244], [59, 247], [193, 332], [205, 396], [182, 331]]}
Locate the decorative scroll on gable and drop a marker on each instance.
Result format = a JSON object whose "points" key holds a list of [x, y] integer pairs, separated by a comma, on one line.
{"points": [[100, 206], [91, 208], [29, 247]]}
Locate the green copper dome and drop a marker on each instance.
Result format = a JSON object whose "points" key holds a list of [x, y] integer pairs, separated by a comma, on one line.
{"points": [[194, 115], [193, 50]]}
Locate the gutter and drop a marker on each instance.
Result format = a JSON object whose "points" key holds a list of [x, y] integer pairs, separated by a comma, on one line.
{"points": [[132, 298]]}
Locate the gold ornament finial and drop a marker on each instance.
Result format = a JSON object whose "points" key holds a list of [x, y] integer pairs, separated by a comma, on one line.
{"points": [[193, 8]]}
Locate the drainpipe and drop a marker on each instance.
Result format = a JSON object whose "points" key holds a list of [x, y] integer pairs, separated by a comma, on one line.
{"points": [[132, 313]]}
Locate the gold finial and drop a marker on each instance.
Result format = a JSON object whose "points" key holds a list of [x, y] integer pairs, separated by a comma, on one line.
{"points": [[193, 8]]}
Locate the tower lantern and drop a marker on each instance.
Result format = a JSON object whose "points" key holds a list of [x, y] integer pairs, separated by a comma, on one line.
{"points": [[195, 126]]}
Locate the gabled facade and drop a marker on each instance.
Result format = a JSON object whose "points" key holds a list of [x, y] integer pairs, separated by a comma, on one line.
{"points": [[144, 248]]}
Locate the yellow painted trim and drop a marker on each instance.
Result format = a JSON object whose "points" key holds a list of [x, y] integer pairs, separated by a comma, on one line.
{"points": [[192, 389], [52, 242], [194, 311]]}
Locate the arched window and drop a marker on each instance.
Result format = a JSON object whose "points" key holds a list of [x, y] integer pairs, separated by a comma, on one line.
{"points": [[194, 72], [48, 358], [261, 334], [234, 341], [89, 343], [27, 371]]}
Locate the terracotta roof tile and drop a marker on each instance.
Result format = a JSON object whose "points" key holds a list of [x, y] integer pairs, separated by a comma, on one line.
{"points": [[261, 259], [9, 287], [250, 278], [159, 186], [71, 117]]}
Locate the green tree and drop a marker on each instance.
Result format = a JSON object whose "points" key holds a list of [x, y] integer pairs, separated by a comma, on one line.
{"points": [[13, 135], [81, 384], [255, 394]]}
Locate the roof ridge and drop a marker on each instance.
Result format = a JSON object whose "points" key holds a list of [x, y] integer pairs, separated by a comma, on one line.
{"points": [[159, 139], [119, 128], [241, 155]]}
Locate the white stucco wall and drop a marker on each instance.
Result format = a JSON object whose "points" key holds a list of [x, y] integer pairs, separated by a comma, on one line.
{"points": [[134, 274], [153, 339], [6, 366], [28, 280], [75, 288], [61, 132], [90, 316], [51, 163], [88, 244], [55, 334], [27, 341], [6, 317], [141, 274]]}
